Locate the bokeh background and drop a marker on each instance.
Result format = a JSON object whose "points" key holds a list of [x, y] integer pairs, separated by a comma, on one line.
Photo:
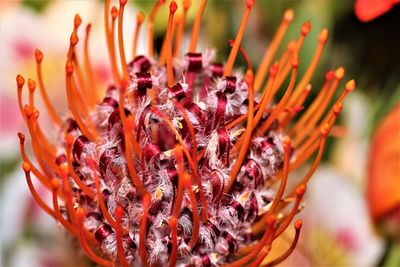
{"points": [[352, 212]]}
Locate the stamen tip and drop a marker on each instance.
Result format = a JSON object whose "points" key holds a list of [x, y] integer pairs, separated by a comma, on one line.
{"points": [[20, 80], [323, 35], [28, 111], [350, 85], [300, 190], [69, 68], [77, 20], [55, 184], [140, 17], [286, 142], [31, 85], [273, 71], [114, 12], [308, 87], [329, 75], [250, 3], [295, 61], [173, 7], [305, 29], [339, 73], [298, 224], [21, 137], [123, 2], [26, 166], [288, 16], [325, 130], [186, 4], [38, 55]]}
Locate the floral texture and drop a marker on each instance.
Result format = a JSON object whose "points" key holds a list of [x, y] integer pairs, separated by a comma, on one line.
{"points": [[182, 161]]}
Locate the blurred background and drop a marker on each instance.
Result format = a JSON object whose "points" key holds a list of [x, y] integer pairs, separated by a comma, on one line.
{"points": [[352, 215]]}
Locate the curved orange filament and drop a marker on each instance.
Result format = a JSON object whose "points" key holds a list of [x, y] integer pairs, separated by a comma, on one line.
{"points": [[298, 224], [238, 40], [266, 239], [20, 83], [146, 199], [68, 196], [173, 225], [50, 108], [150, 27], [247, 136], [281, 105], [323, 37], [191, 132], [196, 221], [121, 46], [298, 104], [313, 120], [272, 49], [163, 57], [27, 170], [139, 21], [127, 134], [82, 126], [118, 236], [300, 190], [181, 28], [170, 69], [196, 27], [190, 162], [82, 240], [285, 62], [93, 90], [100, 199], [42, 178], [67, 225], [69, 141], [181, 179], [267, 94], [109, 28]]}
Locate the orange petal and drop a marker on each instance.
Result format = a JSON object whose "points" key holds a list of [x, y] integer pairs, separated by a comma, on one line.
{"points": [[383, 187], [367, 10]]}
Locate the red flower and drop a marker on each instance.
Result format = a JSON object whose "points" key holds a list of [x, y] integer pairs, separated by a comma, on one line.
{"points": [[177, 162]]}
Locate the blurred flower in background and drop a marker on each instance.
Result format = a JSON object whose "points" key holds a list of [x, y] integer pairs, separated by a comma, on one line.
{"points": [[353, 196]]}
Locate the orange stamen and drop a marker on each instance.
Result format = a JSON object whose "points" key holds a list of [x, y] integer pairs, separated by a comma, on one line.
{"points": [[196, 27], [272, 49], [109, 28], [100, 199], [69, 68], [173, 225], [27, 170], [238, 39], [69, 141], [247, 136], [139, 21], [322, 38], [281, 105], [50, 108], [89, 68], [298, 224], [196, 221], [150, 26], [146, 199], [80, 213], [300, 190], [121, 46], [55, 184], [266, 238], [67, 193], [298, 104], [181, 28], [43, 179], [118, 236], [170, 70]]}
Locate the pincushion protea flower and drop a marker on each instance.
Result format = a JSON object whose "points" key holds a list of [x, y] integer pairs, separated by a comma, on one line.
{"points": [[181, 160]]}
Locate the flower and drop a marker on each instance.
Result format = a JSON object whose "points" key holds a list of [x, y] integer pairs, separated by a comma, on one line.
{"points": [[180, 162]]}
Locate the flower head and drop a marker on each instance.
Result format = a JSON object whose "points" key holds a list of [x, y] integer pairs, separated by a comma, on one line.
{"points": [[182, 161]]}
